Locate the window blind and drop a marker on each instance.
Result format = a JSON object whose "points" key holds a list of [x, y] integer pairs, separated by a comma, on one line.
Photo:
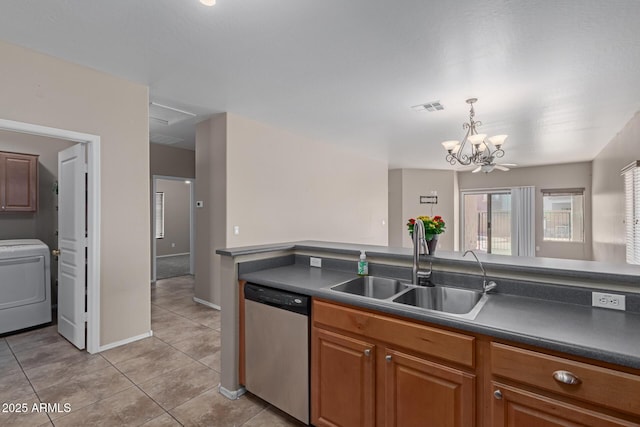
{"points": [[631, 175], [159, 206]]}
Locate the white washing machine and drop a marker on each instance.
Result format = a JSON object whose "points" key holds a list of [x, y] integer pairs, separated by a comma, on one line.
{"points": [[25, 284]]}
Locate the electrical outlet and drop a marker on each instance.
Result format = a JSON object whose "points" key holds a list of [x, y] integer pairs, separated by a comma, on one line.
{"points": [[612, 301], [315, 262]]}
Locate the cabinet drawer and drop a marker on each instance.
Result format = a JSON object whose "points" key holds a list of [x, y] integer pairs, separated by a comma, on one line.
{"points": [[446, 345], [517, 407], [601, 386]]}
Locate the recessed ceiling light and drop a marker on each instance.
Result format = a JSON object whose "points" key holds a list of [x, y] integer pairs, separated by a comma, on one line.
{"points": [[208, 2]]}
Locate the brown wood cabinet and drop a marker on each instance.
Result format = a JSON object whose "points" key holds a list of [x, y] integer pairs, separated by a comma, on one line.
{"points": [[373, 369], [546, 390], [516, 407], [345, 374], [363, 376], [18, 182], [419, 392]]}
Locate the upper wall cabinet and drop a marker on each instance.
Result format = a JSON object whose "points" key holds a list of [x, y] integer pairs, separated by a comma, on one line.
{"points": [[18, 182]]}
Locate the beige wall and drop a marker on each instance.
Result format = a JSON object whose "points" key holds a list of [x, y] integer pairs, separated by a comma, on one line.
{"points": [[211, 219], [570, 175], [284, 187], [411, 184], [177, 195], [171, 161], [608, 193], [47, 91], [277, 187], [396, 226]]}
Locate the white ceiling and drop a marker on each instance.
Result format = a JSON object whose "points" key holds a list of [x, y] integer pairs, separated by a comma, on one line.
{"points": [[560, 77]]}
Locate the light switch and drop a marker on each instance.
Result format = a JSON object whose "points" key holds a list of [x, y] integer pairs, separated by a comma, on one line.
{"points": [[236, 229]]}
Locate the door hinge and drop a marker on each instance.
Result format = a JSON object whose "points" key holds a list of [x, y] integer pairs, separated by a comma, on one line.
{"points": [[85, 317]]}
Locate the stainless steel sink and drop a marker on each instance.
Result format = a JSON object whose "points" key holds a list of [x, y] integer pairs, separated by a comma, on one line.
{"points": [[450, 301], [372, 287], [456, 301]]}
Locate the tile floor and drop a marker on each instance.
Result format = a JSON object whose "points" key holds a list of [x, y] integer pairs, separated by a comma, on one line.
{"points": [[169, 379]]}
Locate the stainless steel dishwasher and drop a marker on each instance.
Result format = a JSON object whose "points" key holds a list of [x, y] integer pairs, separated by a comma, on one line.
{"points": [[277, 348]]}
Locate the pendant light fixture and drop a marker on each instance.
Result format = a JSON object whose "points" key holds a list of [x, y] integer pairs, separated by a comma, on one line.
{"points": [[483, 151]]}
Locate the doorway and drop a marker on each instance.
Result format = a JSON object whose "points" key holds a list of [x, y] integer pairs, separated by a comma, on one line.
{"points": [[486, 221], [92, 145], [173, 221]]}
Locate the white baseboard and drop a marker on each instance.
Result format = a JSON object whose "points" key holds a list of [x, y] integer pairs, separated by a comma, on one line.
{"points": [[125, 341], [207, 303], [232, 395], [166, 256]]}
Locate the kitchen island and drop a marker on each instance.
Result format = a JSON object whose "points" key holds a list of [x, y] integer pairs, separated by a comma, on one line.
{"points": [[539, 304]]}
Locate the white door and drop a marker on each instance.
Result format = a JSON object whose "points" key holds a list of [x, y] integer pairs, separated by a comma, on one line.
{"points": [[72, 244]]}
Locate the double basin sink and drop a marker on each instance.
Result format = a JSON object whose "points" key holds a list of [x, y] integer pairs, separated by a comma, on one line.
{"points": [[457, 302]]}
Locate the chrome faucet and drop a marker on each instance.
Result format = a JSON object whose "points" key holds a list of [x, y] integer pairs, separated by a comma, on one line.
{"points": [[486, 287], [420, 275]]}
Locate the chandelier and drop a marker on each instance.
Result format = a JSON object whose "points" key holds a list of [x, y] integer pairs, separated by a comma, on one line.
{"points": [[483, 152]]}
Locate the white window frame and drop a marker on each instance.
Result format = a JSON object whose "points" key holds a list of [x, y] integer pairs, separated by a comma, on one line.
{"points": [[159, 207], [631, 175], [565, 192]]}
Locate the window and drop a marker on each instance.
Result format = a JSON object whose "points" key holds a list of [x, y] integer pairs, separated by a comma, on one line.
{"points": [[563, 215], [159, 215], [631, 175]]}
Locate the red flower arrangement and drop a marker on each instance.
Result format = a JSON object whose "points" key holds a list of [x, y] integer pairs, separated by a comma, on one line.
{"points": [[432, 226]]}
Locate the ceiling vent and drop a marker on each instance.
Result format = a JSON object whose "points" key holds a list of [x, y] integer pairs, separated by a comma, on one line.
{"points": [[158, 138], [429, 106], [166, 115]]}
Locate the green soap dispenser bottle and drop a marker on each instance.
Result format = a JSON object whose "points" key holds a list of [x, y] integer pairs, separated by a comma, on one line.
{"points": [[363, 265]]}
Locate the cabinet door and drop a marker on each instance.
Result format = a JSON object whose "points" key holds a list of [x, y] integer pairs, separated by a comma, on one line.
{"points": [[19, 182], [423, 393], [342, 381], [515, 407]]}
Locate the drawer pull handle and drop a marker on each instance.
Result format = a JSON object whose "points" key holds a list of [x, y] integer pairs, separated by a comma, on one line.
{"points": [[388, 357], [566, 377], [367, 352], [497, 394]]}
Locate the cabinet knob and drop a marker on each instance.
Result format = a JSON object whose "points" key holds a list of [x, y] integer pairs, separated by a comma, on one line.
{"points": [[367, 352], [388, 358], [566, 377], [497, 394]]}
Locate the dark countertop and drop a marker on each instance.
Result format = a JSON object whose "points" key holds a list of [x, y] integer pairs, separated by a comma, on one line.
{"points": [[600, 334], [625, 274]]}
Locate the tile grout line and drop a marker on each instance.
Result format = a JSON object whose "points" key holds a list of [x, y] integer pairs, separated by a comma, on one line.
{"points": [[167, 411], [186, 354], [180, 351], [185, 317], [27, 377], [256, 415], [144, 392], [196, 360]]}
